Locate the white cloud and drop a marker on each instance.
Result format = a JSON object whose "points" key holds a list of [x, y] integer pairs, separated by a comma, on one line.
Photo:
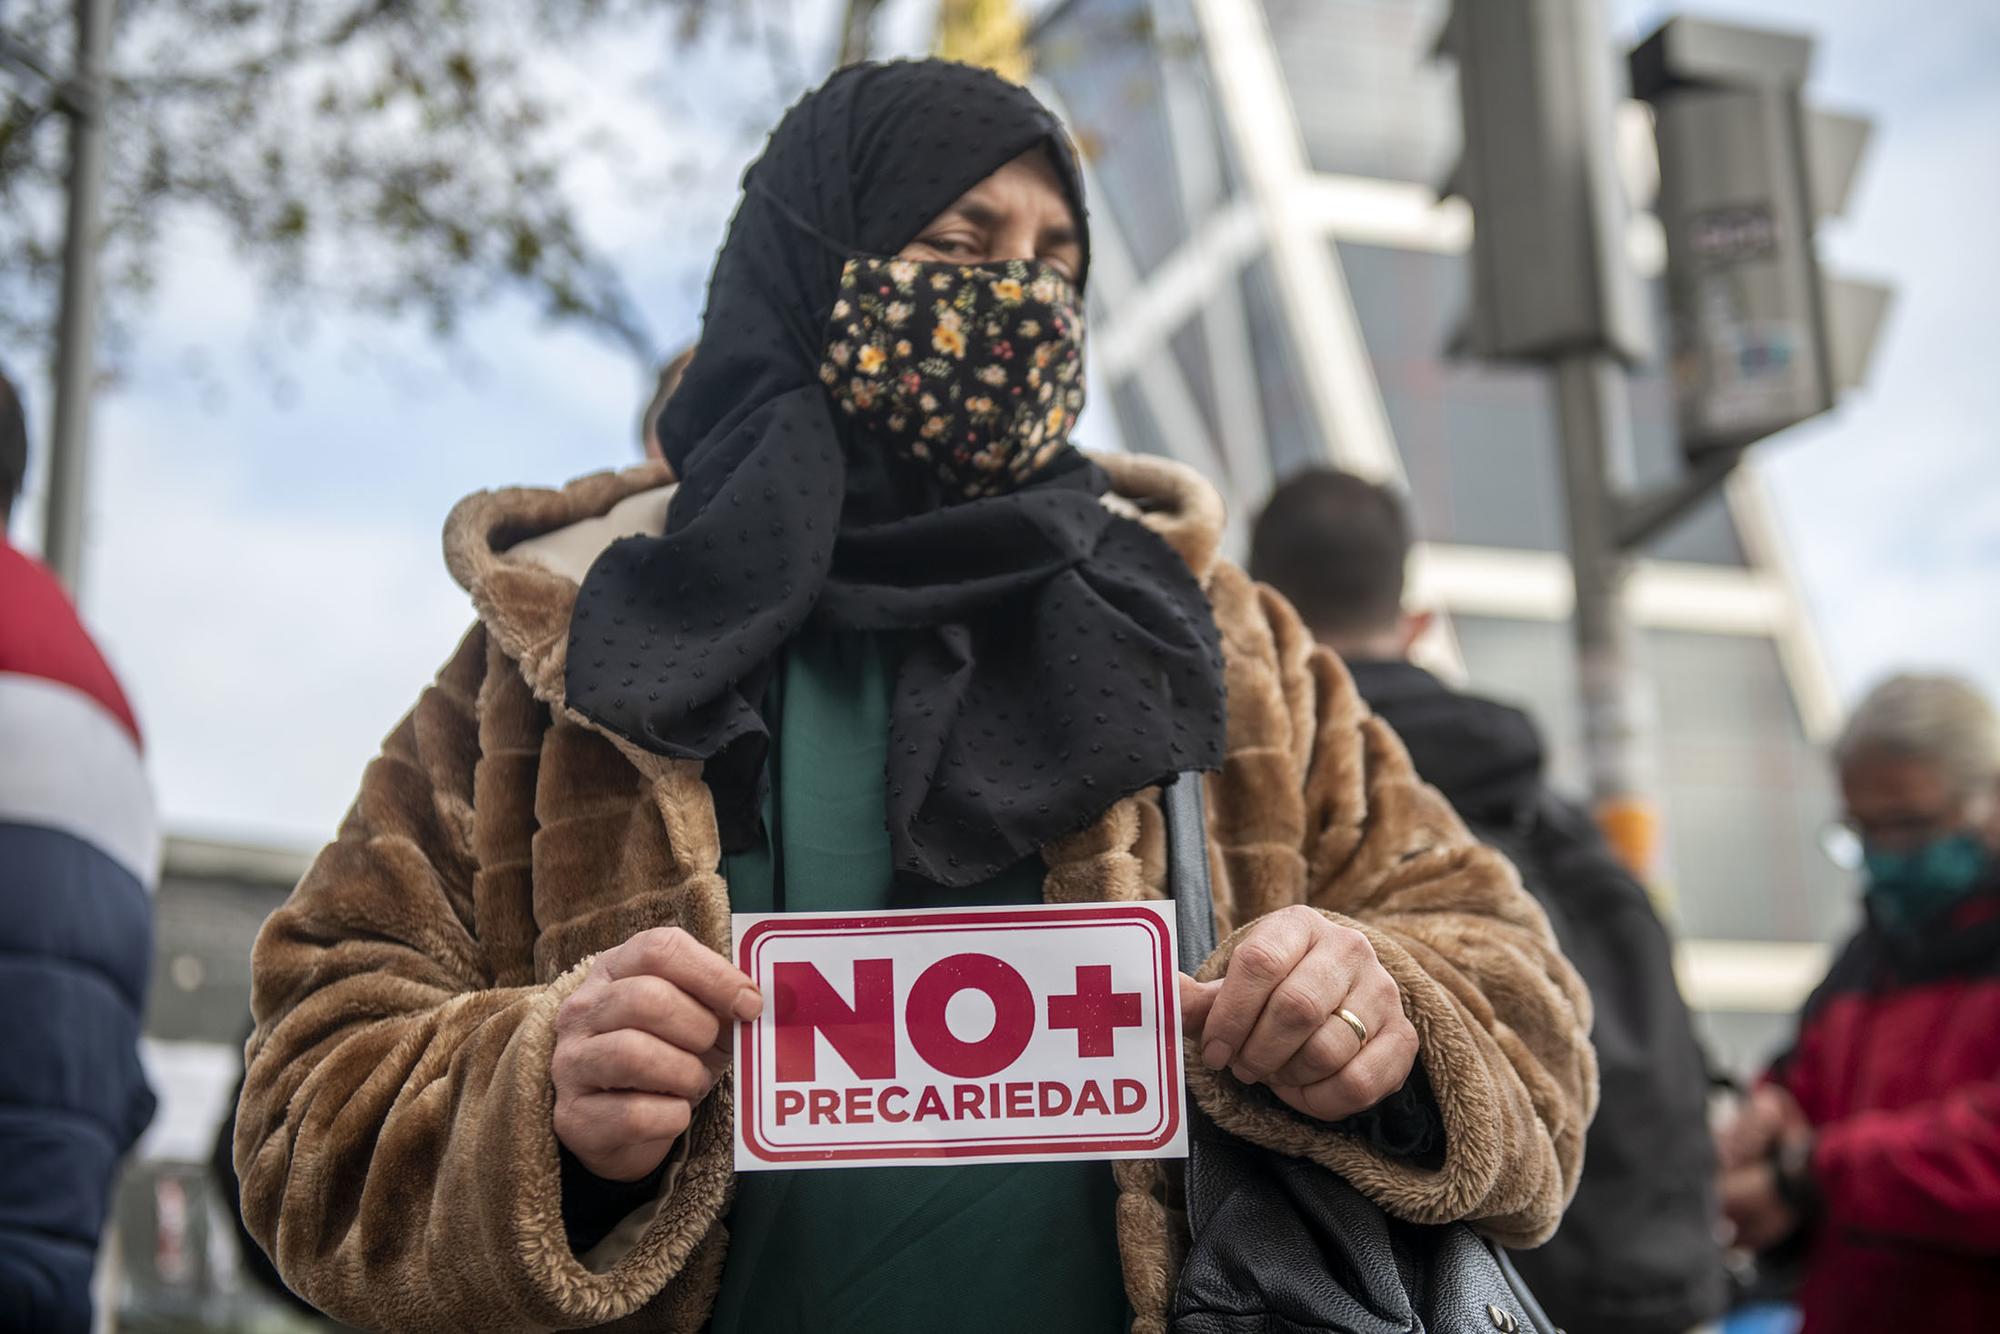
{"points": [[267, 578], [267, 655]]}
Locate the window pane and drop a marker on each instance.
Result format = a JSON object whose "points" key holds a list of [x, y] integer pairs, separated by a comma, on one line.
{"points": [[1293, 439], [1189, 348], [1479, 440], [1135, 422], [1113, 65], [1369, 98]]}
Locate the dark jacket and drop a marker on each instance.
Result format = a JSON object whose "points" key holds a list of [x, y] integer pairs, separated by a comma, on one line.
{"points": [[1635, 1252], [1897, 1065], [79, 852]]}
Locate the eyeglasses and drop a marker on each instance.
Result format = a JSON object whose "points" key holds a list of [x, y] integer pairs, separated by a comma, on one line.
{"points": [[1846, 842], [1841, 845]]}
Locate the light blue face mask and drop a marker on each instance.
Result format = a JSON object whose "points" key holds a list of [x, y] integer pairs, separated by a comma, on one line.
{"points": [[1909, 889]]}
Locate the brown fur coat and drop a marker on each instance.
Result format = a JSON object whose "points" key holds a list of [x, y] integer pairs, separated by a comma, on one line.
{"points": [[394, 1139]]}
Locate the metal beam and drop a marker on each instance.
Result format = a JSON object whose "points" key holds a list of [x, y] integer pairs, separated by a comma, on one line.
{"points": [[1238, 408], [1517, 585], [1749, 976], [1313, 299], [1641, 518], [1799, 650], [1213, 255], [1115, 281]]}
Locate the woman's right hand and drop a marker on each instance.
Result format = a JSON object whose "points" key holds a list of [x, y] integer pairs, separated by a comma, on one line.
{"points": [[639, 1043]]}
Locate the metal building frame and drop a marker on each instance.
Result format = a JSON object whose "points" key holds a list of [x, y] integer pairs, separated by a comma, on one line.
{"points": [[1287, 213]]}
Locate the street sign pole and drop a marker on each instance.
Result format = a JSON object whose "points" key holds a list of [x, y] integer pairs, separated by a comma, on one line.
{"points": [[1762, 339], [76, 333], [1553, 286], [1594, 414]]}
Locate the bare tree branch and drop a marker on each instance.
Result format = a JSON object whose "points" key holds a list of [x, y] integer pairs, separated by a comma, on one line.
{"points": [[397, 157]]}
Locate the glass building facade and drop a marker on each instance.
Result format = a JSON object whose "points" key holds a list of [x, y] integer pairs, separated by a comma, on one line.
{"points": [[1275, 286]]}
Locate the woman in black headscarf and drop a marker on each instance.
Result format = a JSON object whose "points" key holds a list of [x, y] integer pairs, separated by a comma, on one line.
{"points": [[873, 438], [888, 640]]}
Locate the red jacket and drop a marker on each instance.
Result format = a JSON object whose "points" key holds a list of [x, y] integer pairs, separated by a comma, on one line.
{"points": [[1897, 1065]]}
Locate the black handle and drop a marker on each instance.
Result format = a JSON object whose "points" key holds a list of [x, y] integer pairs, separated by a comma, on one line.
{"points": [[1187, 869]]}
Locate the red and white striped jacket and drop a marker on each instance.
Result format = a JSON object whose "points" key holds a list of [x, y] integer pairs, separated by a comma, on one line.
{"points": [[79, 858]]}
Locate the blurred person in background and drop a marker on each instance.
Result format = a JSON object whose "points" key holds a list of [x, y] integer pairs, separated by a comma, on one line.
{"points": [[1636, 1250], [787, 668], [79, 859], [1872, 1146]]}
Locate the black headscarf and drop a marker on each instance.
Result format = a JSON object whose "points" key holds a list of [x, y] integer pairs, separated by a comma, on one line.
{"points": [[1055, 657]]}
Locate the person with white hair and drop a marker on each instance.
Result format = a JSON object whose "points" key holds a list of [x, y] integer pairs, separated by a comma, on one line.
{"points": [[1871, 1149]]}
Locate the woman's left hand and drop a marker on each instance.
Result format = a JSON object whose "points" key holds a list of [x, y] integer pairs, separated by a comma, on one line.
{"points": [[1274, 1016]]}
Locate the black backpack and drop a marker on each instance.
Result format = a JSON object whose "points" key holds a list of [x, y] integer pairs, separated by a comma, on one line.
{"points": [[1636, 1251]]}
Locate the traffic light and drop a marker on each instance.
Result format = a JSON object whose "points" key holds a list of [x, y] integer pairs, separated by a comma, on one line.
{"points": [[1537, 91], [1761, 338]]}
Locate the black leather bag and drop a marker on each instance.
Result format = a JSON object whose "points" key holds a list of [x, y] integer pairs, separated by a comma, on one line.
{"points": [[1282, 1245]]}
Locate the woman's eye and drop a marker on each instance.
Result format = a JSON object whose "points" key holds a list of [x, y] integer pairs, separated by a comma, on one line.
{"points": [[950, 245]]}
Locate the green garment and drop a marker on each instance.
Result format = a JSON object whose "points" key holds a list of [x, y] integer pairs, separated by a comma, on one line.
{"points": [[999, 1247]]}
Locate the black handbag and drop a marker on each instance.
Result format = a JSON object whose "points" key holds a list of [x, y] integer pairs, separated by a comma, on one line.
{"points": [[1281, 1244]]}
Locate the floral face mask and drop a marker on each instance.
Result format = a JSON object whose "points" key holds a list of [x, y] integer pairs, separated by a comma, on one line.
{"points": [[975, 372]]}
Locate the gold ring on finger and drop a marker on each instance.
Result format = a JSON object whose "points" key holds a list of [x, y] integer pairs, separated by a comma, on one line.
{"points": [[1353, 1021]]}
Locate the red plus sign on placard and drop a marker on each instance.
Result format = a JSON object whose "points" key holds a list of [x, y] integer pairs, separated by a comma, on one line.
{"points": [[1094, 1011]]}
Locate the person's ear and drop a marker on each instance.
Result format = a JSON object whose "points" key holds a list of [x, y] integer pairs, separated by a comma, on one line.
{"points": [[1412, 626]]}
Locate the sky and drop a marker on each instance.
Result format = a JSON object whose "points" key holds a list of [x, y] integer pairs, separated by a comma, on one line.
{"points": [[263, 565]]}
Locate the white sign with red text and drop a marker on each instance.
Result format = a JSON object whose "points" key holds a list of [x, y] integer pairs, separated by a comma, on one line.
{"points": [[1025, 1034]]}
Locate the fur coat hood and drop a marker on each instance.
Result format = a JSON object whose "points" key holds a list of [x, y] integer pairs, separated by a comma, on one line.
{"points": [[394, 1138]]}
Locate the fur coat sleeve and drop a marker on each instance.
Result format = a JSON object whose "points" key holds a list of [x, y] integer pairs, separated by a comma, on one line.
{"points": [[1319, 804], [394, 1137]]}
